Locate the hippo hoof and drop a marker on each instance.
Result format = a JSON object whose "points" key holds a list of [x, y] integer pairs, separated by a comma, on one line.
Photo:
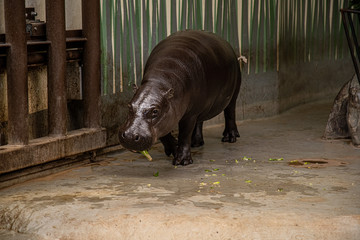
{"points": [[230, 136], [183, 162], [197, 142]]}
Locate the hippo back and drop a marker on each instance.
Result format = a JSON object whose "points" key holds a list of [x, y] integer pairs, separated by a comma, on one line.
{"points": [[200, 66]]}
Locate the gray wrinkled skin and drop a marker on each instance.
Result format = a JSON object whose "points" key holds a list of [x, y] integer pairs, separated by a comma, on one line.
{"points": [[190, 77], [344, 118], [353, 115]]}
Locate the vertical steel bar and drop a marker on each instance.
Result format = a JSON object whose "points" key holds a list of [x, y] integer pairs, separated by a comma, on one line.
{"points": [[91, 62], [55, 32], [345, 23], [17, 85], [354, 37]]}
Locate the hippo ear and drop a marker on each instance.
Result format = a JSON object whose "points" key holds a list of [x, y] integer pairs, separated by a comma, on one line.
{"points": [[169, 93], [135, 87]]}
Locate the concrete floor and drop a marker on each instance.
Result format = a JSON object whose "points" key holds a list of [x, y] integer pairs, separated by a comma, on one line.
{"points": [[232, 191]]}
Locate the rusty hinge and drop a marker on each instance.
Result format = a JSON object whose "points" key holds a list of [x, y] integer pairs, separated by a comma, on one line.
{"points": [[35, 29]]}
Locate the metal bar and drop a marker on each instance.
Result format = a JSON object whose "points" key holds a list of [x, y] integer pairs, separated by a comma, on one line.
{"points": [[91, 63], [17, 85], [55, 33], [354, 37], [41, 58], [350, 11], [345, 23]]}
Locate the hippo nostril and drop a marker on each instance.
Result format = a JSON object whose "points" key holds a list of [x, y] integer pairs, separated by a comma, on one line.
{"points": [[137, 138], [123, 135]]}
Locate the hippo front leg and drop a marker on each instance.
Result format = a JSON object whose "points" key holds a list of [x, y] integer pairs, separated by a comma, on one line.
{"points": [[183, 154]]}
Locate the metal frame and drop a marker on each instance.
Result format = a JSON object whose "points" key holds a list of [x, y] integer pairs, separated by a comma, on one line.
{"points": [[351, 37], [54, 50]]}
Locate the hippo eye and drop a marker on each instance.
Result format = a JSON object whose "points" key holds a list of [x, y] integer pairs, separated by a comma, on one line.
{"points": [[155, 113]]}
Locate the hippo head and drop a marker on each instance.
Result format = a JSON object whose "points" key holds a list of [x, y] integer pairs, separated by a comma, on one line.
{"points": [[148, 118]]}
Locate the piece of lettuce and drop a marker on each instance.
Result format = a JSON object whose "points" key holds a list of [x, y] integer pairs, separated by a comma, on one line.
{"points": [[146, 154]]}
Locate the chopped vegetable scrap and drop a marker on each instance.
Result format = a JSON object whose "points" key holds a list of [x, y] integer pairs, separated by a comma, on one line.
{"points": [[248, 181], [295, 163], [146, 154], [156, 174], [276, 159], [209, 185]]}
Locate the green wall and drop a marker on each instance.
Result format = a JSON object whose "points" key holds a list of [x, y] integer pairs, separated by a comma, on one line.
{"points": [[296, 49], [257, 29]]}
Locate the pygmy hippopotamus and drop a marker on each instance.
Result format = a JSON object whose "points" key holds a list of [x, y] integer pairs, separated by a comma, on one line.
{"points": [[189, 77]]}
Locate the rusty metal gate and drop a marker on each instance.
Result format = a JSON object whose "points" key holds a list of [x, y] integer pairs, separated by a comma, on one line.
{"points": [[54, 49]]}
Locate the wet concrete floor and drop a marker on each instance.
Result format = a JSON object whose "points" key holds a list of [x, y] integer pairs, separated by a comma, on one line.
{"points": [[280, 180]]}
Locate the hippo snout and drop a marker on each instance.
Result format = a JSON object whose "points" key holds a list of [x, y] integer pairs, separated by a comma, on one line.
{"points": [[134, 140]]}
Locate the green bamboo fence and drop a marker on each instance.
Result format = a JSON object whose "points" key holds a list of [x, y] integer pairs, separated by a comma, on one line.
{"points": [[266, 32]]}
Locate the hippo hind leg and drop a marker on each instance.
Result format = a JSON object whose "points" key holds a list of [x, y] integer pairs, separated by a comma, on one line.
{"points": [[231, 132], [197, 139]]}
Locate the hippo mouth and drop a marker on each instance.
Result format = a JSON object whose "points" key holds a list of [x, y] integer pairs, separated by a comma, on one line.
{"points": [[135, 142]]}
